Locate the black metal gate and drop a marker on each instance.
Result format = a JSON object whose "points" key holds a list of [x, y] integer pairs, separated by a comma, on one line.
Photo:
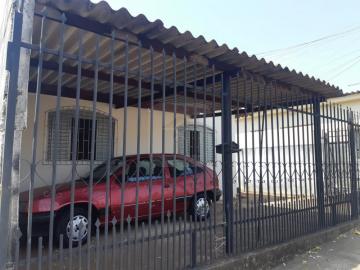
{"points": [[162, 161]]}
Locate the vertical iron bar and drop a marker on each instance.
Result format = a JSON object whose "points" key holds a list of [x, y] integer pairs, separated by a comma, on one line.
{"points": [[346, 154], [155, 246], [309, 166], [278, 135], [227, 161], [163, 75], [318, 163], [238, 213], [253, 209], [92, 150], [339, 131], [122, 214], [304, 199], [214, 176], [97, 245], [114, 243], [273, 160], [204, 160], [138, 139], [109, 149], [56, 141], [74, 147], [185, 154], [174, 157], [151, 149], [35, 141], [40, 248], [247, 166], [353, 161], [259, 202]]}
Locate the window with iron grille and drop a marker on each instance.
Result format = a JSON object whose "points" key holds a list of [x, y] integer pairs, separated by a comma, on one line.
{"points": [[84, 139], [198, 144], [66, 134], [194, 144]]}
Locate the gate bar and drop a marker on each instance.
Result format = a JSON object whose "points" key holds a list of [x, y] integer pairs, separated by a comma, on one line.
{"points": [[353, 160]]}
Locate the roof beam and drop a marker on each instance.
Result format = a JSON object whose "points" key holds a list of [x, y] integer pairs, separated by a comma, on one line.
{"points": [[85, 94]]}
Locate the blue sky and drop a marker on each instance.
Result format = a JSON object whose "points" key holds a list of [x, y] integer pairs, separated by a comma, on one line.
{"points": [[257, 26]]}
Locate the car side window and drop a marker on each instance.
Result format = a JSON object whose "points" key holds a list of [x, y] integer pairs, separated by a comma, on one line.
{"points": [[147, 170], [179, 167]]}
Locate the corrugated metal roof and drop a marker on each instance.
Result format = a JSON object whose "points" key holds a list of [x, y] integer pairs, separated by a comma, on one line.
{"points": [[352, 93], [210, 50]]}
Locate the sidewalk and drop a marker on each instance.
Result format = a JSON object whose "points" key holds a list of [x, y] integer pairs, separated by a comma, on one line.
{"points": [[341, 253]]}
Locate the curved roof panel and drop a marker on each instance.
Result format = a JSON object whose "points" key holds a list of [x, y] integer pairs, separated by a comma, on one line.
{"points": [[210, 50]]}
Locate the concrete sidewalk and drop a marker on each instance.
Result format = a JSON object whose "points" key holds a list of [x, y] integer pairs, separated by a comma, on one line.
{"points": [[341, 253]]}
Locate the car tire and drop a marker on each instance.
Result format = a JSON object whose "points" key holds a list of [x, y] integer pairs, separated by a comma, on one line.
{"points": [[80, 227], [200, 207]]}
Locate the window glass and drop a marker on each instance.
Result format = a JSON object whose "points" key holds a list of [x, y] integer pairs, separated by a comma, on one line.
{"points": [[147, 170], [178, 167], [99, 172]]}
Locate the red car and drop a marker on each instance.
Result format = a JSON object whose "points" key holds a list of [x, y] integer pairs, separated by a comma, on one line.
{"points": [[165, 180]]}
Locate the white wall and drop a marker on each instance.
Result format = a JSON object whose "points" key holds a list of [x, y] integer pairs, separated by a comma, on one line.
{"points": [[276, 139], [279, 138]]}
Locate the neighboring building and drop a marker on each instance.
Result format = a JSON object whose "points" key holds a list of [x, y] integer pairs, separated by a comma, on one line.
{"points": [[348, 100], [279, 145]]}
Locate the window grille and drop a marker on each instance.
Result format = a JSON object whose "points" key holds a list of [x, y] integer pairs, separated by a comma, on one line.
{"points": [[67, 122], [195, 144]]}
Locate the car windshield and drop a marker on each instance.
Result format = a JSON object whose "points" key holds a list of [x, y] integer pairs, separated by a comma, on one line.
{"points": [[100, 171]]}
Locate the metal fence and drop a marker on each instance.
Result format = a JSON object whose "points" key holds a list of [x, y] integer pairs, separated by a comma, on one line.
{"points": [[197, 163]]}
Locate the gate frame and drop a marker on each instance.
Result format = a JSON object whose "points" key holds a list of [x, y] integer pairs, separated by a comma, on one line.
{"points": [[14, 112]]}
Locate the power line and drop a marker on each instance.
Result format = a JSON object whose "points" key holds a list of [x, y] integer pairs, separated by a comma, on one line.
{"points": [[353, 63], [354, 84], [310, 42]]}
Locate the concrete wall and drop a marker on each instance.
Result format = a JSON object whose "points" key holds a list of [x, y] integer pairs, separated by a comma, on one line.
{"points": [[6, 28]]}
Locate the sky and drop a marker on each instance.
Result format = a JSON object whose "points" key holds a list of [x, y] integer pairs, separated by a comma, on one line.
{"points": [[317, 37]]}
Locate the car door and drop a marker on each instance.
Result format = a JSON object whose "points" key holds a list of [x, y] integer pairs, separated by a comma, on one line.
{"points": [[181, 180], [135, 190], [161, 188]]}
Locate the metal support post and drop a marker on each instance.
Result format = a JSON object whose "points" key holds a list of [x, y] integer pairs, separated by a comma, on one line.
{"points": [[318, 163], [227, 161]]}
